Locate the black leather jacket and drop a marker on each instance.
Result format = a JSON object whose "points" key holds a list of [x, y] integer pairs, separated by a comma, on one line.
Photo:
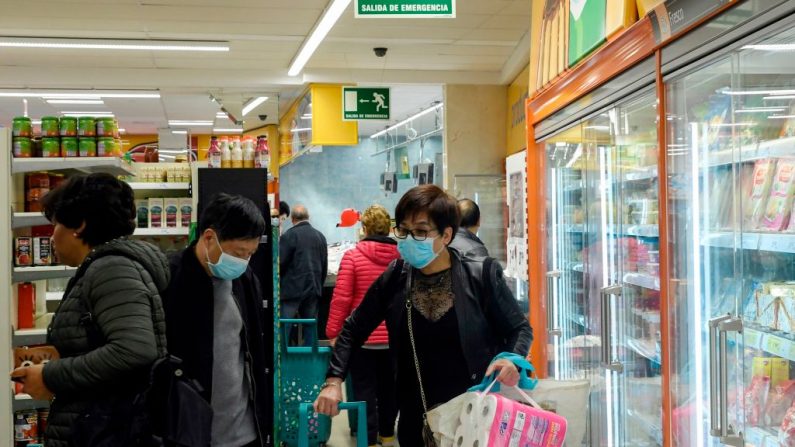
{"points": [[488, 315]]}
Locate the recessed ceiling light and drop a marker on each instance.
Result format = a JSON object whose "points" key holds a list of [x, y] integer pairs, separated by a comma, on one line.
{"points": [[179, 132], [80, 94], [761, 109], [122, 130], [76, 101], [188, 123], [302, 129], [88, 113], [759, 92], [253, 103], [113, 44], [327, 21], [221, 130], [771, 47]]}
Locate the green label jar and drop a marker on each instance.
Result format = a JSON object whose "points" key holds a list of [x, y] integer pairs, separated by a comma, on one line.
{"points": [[86, 126], [69, 147], [88, 147], [23, 147], [50, 147], [68, 126], [49, 127], [105, 147], [22, 126], [106, 127]]}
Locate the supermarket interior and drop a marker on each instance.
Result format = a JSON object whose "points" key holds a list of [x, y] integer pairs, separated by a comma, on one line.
{"points": [[632, 161]]}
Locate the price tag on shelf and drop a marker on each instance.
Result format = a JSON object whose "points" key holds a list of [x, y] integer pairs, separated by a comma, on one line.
{"points": [[753, 339], [778, 346]]}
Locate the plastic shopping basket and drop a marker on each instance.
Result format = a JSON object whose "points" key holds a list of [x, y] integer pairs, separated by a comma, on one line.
{"points": [[306, 412], [303, 371]]}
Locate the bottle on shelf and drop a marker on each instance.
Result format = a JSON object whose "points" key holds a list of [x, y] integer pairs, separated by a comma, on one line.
{"points": [[262, 157], [226, 154], [214, 153], [237, 152], [248, 152]]}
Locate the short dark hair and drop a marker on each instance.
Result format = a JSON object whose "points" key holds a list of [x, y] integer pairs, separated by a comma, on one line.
{"points": [[104, 203], [232, 217], [431, 199], [284, 209], [470, 213]]}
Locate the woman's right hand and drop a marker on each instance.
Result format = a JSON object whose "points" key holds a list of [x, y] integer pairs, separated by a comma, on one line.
{"points": [[328, 402]]}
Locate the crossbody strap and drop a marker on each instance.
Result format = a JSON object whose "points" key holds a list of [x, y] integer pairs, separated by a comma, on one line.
{"points": [[414, 345]]}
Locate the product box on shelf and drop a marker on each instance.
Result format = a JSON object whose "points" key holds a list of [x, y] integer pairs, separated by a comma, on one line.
{"points": [[762, 181], [782, 191], [185, 212], [23, 252], [171, 209], [142, 213], [26, 305], [156, 213], [42, 251]]}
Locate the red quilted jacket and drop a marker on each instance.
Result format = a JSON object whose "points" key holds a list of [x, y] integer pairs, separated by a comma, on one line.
{"points": [[360, 267]]}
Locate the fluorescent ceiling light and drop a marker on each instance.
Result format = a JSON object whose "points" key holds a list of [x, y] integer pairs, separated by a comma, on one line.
{"points": [[761, 109], [87, 114], [179, 132], [122, 130], [80, 94], [780, 117], [221, 115], [733, 124], [219, 130], [253, 103], [771, 47], [301, 129], [767, 98], [408, 120], [597, 127], [77, 101], [306, 117], [36, 122], [758, 92], [187, 123], [322, 28], [113, 44]]}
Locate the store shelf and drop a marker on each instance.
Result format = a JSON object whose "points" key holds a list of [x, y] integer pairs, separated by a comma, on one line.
{"points": [[161, 231], [24, 220], [771, 343], [30, 337], [773, 242], [644, 348], [138, 186], [88, 165], [649, 231], [767, 149], [27, 274], [23, 402], [574, 187], [54, 296], [648, 173], [642, 280], [759, 437], [648, 424]]}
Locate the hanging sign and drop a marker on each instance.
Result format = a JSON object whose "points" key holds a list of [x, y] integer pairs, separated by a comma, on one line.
{"points": [[365, 103], [405, 9], [675, 15]]}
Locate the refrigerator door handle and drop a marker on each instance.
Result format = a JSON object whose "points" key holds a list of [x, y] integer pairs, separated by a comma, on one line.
{"points": [[552, 328], [607, 342], [728, 436], [714, 375]]}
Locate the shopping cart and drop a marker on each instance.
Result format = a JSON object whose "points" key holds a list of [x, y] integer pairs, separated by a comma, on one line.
{"points": [[353, 407]]}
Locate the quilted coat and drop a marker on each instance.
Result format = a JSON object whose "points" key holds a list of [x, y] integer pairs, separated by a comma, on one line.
{"points": [[117, 291], [360, 267]]}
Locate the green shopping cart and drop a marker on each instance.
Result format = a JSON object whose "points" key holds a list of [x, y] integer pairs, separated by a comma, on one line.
{"points": [[306, 412]]}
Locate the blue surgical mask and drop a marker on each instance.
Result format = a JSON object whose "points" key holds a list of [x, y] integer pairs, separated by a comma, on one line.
{"points": [[228, 267], [418, 253]]}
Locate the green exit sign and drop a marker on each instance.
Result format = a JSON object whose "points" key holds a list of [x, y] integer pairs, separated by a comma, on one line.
{"points": [[417, 9], [365, 103]]}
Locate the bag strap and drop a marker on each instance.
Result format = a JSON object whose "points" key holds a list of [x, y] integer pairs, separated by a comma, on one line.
{"points": [[526, 370], [519, 390], [414, 346]]}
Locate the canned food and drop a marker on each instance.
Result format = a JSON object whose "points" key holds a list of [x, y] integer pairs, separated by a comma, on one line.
{"points": [[50, 147], [50, 126], [68, 126], [22, 126], [88, 147], [86, 126], [69, 147], [23, 147], [107, 127], [106, 147]]}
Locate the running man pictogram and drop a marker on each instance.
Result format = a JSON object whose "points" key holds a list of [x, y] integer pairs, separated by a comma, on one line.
{"points": [[379, 101]]}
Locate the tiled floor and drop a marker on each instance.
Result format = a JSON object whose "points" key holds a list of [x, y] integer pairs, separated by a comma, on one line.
{"points": [[340, 433]]}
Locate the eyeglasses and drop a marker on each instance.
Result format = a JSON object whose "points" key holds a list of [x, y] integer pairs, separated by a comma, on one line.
{"points": [[417, 235]]}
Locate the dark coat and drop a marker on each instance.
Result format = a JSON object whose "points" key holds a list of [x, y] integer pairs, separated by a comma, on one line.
{"points": [[468, 244], [303, 263], [116, 290], [189, 304], [488, 315]]}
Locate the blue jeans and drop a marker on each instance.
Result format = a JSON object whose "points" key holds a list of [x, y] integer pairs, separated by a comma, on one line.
{"points": [[305, 308]]}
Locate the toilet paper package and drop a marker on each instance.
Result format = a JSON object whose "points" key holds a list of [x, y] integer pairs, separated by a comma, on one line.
{"points": [[469, 409], [511, 424], [496, 417]]}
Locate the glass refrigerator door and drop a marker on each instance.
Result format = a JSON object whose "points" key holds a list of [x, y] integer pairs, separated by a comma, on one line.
{"points": [[731, 191]]}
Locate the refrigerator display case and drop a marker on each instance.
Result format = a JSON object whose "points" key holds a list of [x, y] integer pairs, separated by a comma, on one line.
{"points": [[731, 160], [603, 283]]}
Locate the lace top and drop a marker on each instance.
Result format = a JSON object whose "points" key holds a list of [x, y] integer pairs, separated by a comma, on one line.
{"points": [[432, 295]]}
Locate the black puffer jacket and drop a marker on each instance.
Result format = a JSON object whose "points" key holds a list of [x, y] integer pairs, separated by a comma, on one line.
{"points": [[114, 291]]}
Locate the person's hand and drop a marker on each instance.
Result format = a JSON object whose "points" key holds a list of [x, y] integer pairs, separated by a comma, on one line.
{"points": [[328, 402], [33, 382], [508, 374], [333, 341]]}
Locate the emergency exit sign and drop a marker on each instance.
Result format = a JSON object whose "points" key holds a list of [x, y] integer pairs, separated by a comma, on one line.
{"points": [[405, 9], [365, 103]]}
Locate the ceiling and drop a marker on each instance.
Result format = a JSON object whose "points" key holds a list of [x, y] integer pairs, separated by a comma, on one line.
{"points": [[486, 44]]}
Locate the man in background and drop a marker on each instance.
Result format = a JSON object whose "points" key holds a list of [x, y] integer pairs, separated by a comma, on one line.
{"points": [[466, 241], [303, 264]]}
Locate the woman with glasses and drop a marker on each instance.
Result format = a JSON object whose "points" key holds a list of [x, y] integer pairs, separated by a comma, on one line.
{"points": [[447, 316]]}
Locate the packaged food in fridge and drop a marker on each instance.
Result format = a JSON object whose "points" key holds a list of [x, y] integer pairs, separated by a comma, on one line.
{"points": [[786, 433], [781, 398], [782, 190], [760, 191], [721, 196], [779, 371], [784, 295], [762, 366], [759, 306], [755, 400]]}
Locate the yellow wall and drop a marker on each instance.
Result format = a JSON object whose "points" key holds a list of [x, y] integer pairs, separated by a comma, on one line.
{"points": [[518, 91], [285, 151], [536, 19], [328, 128]]}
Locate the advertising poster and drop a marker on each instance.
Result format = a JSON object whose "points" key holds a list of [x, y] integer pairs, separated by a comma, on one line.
{"points": [[516, 176]]}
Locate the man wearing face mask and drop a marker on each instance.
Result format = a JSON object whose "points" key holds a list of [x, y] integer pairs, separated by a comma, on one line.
{"points": [[214, 319]]}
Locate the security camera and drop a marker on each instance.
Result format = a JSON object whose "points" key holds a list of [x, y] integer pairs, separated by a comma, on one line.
{"points": [[262, 117], [380, 51]]}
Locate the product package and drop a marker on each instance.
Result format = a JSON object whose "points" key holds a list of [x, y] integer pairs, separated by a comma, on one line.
{"points": [[185, 212], [756, 399], [156, 213], [762, 367], [760, 190], [142, 213], [42, 251], [784, 296], [721, 198], [171, 209], [782, 191], [26, 305], [779, 371], [23, 252], [760, 306], [781, 398], [786, 433]]}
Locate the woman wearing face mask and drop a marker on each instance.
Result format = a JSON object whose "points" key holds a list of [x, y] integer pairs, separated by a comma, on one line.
{"points": [[447, 318], [215, 320]]}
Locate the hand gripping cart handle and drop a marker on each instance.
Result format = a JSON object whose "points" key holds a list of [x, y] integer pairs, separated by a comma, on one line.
{"points": [[306, 409]]}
